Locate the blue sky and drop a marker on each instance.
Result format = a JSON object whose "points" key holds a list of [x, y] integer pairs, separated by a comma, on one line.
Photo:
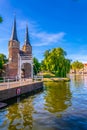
{"points": [[52, 23]]}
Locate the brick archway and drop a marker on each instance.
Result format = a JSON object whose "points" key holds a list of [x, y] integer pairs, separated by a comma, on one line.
{"points": [[26, 70], [25, 67]]}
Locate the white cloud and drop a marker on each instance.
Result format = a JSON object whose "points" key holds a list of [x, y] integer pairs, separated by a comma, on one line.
{"points": [[44, 38], [38, 36], [21, 25], [79, 57], [31, 25]]}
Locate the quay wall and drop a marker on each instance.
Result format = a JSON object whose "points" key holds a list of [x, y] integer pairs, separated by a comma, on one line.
{"points": [[17, 91]]}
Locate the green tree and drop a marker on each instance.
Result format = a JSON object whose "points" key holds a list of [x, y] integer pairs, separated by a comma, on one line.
{"points": [[55, 62], [76, 66], [46, 53], [36, 66], [3, 60], [1, 19]]}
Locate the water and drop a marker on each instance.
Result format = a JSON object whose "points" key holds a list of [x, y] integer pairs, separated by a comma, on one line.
{"points": [[61, 106]]}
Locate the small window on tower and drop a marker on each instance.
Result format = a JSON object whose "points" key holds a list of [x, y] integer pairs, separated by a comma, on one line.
{"points": [[13, 44]]}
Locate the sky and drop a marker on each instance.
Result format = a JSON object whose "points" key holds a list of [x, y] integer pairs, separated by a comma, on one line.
{"points": [[51, 23]]}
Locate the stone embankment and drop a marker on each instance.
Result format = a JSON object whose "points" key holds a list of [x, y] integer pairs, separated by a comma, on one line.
{"points": [[13, 91], [56, 79]]}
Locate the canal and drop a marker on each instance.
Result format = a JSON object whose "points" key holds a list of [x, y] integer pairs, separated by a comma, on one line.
{"points": [[60, 106]]}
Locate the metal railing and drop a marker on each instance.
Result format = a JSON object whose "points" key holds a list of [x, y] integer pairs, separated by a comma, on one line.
{"points": [[7, 83], [38, 78]]}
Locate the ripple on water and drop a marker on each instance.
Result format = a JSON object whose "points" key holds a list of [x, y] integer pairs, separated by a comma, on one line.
{"points": [[62, 106]]}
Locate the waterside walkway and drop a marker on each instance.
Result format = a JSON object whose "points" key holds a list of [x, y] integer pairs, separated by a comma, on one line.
{"points": [[13, 84], [12, 89]]}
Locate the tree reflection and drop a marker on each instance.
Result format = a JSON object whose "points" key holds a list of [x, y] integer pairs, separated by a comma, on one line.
{"points": [[58, 96], [20, 115]]}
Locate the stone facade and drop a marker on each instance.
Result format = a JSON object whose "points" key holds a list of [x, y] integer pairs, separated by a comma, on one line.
{"points": [[20, 61]]}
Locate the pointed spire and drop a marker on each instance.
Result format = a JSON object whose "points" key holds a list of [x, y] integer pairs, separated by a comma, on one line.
{"points": [[27, 41], [14, 31]]}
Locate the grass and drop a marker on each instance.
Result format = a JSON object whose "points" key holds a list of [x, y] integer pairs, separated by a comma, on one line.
{"points": [[47, 76], [56, 79]]}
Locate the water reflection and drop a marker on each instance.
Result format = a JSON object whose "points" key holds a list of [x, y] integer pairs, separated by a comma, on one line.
{"points": [[62, 106], [78, 80], [20, 115], [58, 96]]}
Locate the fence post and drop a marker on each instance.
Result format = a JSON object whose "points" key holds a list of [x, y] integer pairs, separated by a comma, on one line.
{"points": [[16, 78], [20, 81], [8, 85], [42, 77], [4, 79], [35, 78]]}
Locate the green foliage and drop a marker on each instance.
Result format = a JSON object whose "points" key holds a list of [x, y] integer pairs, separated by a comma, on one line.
{"points": [[76, 65], [1, 20], [3, 60], [55, 62], [48, 75], [36, 67], [1, 79]]}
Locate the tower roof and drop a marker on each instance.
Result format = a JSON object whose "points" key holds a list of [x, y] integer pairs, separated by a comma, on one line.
{"points": [[27, 40], [14, 31]]}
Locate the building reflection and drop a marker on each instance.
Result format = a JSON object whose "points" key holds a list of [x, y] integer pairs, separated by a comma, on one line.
{"points": [[20, 115], [78, 80], [57, 97]]}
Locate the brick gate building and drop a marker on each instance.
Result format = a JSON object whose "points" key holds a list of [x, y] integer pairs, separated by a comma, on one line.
{"points": [[20, 62]]}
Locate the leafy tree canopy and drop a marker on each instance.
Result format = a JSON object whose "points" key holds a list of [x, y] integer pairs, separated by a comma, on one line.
{"points": [[1, 20], [36, 66], [76, 65], [3, 60], [55, 62]]}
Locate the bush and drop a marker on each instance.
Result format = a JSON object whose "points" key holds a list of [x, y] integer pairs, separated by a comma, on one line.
{"points": [[1, 79]]}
